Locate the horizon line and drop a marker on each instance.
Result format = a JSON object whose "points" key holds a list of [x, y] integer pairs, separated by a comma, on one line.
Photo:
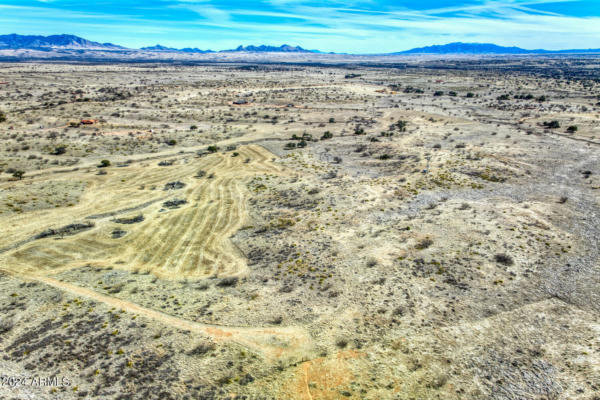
{"points": [[314, 51]]}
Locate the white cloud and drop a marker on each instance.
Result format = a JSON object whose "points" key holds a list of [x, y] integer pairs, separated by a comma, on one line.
{"points": [[347, 28]]}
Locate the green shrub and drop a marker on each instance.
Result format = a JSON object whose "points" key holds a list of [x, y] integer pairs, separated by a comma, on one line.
{"points": [[58, 150], [423, 244], [400, 125], [504, 259], [552, 124], [326, 135]]}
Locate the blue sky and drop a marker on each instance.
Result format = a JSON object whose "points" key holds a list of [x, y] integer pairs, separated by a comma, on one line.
{"points": [[362, 26]]}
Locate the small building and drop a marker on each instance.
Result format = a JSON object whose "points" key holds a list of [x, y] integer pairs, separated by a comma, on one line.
{"points": [[88, 121], [240, 102]]}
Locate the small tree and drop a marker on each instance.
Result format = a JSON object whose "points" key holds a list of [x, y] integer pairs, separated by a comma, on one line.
{"points": [[212, 149], [18, 174], [572, 129], [358, 130], [104, 164], [58, 150], [326, 135], [2, 116], [552, 124], [400, 125]]}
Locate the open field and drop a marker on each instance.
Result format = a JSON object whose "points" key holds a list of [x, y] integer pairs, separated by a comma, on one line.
{"points": [[297, 231], [188, 238]]}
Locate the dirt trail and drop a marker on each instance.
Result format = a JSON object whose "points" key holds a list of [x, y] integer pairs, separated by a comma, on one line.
{"points": [[274, 343], [192, 241]]}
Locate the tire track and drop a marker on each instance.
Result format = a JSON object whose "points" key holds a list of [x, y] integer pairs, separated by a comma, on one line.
{"points": [[193, 241], [270, 342]]}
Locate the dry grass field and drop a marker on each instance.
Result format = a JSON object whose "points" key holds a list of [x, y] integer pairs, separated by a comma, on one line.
{"points": [[297, 231]]}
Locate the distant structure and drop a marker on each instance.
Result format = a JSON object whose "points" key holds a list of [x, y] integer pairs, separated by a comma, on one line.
{"points": [[88, 121], [240, 102]]}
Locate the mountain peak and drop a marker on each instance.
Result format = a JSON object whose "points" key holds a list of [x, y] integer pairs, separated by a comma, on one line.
{"points": [[62, 41], [158, 47], [469, 48], [285, 48]]}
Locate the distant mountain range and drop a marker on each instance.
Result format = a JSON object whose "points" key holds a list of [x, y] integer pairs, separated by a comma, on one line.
{"points": [[249, 49], [15, 41], [158, 47], [71, 42], [485, 48], [273, 49]]}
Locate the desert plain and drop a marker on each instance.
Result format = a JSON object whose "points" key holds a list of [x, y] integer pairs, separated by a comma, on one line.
{"points": [[280, 230]]}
